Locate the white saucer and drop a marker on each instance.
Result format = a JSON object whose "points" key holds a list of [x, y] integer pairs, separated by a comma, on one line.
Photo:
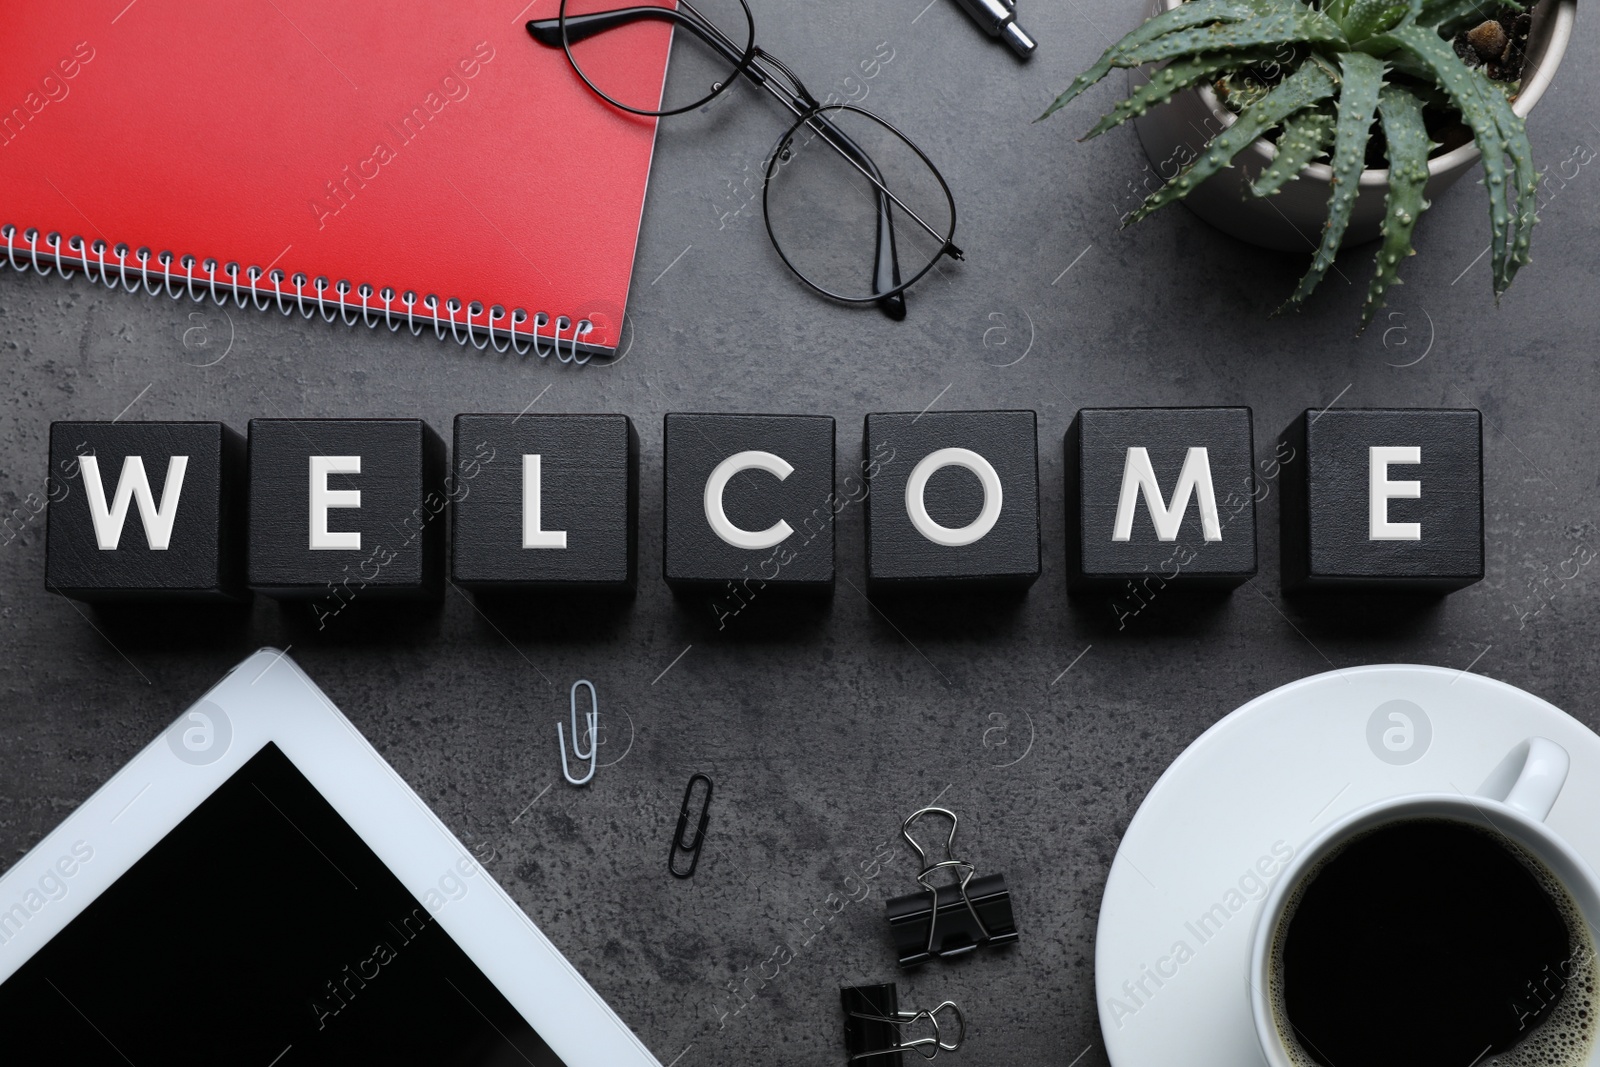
{"points": [[1271, 774]]}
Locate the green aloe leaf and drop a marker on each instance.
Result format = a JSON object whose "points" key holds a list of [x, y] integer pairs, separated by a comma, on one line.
{"points": [[1304, 138], [1499, 132], [1297, 25], [1179, 74], [1184, 16], [1409, 145], [1358, 100], [1308, 85], [1364, 18]]}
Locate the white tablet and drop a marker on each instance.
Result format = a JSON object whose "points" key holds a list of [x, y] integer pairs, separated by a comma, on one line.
{"points": [[258, 887]]}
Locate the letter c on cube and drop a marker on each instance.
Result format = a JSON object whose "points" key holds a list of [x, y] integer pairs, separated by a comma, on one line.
{"points": [[717, 484]]}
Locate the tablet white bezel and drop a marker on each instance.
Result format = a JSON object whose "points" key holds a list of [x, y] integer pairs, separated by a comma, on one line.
{"points": [[268, 698]]}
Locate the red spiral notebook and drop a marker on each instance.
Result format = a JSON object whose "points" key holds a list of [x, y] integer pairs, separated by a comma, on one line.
{"points": [[411, 163]]}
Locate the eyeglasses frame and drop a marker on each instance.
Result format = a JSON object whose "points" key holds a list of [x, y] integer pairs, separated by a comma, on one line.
{"points": [[766, 71]]}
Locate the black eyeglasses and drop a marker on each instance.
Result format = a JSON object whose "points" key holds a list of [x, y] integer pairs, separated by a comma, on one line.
{"points": [[852, 205]]}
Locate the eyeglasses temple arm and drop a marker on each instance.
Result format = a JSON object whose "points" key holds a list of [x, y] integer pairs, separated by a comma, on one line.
{"points": [[886, 259], [886, 264], [583, 27]]}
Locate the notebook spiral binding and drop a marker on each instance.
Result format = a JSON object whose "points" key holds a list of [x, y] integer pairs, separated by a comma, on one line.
{"points": [[75, 254]]}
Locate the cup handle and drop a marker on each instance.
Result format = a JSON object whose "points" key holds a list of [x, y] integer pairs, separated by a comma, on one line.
{"points": [[1530, 777]]}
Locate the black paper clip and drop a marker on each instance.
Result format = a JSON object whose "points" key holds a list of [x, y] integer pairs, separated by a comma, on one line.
{"points": [[949, 920], [691, 847], [874, 1026]]}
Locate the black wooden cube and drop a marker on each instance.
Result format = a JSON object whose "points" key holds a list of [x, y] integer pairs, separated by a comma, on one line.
{"points": [[1168, 492], [749, 501], [545, 502], [145, 511], [953, 500], [1388, 499], [346, 510]]}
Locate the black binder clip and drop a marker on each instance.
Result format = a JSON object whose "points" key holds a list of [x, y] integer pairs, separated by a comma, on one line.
{"points": [[949, 920], [874, 1026], [691, 847]]}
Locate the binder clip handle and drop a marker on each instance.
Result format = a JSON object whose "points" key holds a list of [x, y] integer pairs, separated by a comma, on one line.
{"points": [[965, 871], [874, 1016], [920, 813]]}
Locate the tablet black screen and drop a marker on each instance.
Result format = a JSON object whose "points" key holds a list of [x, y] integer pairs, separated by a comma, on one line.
{"points": [[262, 931]]}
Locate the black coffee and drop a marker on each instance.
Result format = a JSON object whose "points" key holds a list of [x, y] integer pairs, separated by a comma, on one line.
{"points": [[1431, 943]]}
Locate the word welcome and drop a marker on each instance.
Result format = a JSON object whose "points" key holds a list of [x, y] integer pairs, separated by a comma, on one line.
{"points": [[327, 508]]}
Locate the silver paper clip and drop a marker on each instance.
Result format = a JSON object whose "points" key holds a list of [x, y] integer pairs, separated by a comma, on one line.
{"points": [[593, 721]]}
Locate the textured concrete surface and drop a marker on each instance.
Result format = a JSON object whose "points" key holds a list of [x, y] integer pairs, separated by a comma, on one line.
{"points": [[824, 726]]}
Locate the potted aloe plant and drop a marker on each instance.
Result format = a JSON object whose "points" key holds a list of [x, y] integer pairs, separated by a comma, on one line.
{"points": [[1274, 87]]}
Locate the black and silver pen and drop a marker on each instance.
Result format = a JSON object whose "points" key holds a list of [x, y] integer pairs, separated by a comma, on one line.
{"points": [[999, 19]]}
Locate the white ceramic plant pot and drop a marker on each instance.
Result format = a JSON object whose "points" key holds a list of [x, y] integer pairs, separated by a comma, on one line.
{"points": [[1291, 220]]}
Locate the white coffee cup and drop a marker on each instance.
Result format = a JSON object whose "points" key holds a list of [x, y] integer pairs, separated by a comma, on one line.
{"points": [[1514, 801]]}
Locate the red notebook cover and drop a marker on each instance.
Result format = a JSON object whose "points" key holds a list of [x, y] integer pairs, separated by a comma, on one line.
{"points": [[410, 147]]}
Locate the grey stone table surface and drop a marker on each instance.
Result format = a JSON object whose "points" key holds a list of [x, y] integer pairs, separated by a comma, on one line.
{"points": [[1043, 722]]}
